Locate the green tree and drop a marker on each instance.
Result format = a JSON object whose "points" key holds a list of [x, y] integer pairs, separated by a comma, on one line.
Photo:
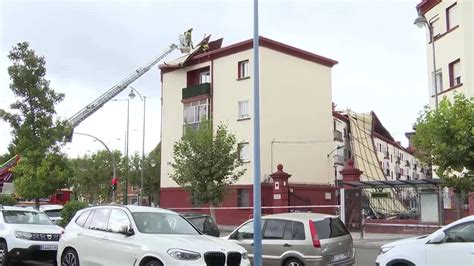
{"points": [[43, 168], [152, 177], [445, 139], [206, 162], [92, 176]]}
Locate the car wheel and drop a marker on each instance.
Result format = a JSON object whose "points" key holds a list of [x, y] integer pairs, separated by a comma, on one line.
{"points": [[4, 258], [153, 263], [70, 258], [293, 262]]}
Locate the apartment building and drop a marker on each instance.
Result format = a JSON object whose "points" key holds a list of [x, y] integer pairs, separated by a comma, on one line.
{"points": [[296, 120], [453, 38], [381, 158]]}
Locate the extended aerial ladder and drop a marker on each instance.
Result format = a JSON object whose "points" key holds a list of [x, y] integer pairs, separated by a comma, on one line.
{"points": [[185, 46]]}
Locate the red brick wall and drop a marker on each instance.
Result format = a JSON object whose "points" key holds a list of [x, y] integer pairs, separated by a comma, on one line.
{"points": [[172, 198]]}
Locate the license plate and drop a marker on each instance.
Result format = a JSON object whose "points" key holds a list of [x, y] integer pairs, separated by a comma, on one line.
{"points": [[49, 247], [341, 256]]}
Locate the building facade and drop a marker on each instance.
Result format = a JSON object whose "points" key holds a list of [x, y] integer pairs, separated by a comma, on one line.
{"points": [[453, 39], [296, 120]]}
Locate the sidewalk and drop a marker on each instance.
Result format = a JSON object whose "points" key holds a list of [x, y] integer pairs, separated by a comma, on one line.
{"points": [[373, 240]]}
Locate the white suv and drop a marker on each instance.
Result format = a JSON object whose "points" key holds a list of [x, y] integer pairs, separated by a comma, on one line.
{"points": [[133, 235], [27, 234]]}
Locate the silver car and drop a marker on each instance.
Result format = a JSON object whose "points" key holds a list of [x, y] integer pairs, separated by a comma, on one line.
{"points": [[293, 239]]}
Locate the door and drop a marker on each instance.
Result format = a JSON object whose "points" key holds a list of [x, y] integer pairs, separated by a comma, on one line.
{"points": [[95, 236], [276, 240], [457, 248], [121, 249], [243, 236]]}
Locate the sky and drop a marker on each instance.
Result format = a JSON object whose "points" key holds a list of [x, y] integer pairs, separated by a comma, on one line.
{"points": [[90, 46]]}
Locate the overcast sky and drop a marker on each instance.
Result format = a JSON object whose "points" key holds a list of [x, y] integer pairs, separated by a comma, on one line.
{"points": [[90, 46]]}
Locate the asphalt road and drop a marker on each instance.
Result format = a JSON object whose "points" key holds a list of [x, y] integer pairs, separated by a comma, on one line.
{"points": [[366, 256]]}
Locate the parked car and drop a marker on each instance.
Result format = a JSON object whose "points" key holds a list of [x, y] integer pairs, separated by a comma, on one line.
{"points": [[136, 235], [203, 222], [27, 234], [296, 239], [53, 211], [450, 245]]}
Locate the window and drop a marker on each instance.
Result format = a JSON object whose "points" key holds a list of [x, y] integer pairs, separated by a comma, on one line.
{"points": [[330, 228], [451, 17], [455, 73], [294, 231], [25, 217], [162, 223], [274, 229], [243, 69], [99, 219], [245, 232], [242, 197], [436, 24], [244, 109], [204, 77], [81, 220], [195, 112], [117, 220], [460, 233], [244, 152], [439, 82]]}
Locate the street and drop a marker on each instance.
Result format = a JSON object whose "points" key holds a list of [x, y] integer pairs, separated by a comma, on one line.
{"points": [[366, 256]]}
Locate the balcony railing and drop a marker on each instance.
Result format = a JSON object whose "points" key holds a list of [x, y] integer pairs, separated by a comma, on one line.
{"points": [[196, 90], [337, 135]]}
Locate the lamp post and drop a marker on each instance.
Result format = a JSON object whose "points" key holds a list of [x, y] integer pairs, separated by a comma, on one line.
{"points": [[143, 98], [125, 190], [114, 165], [342, 195], [421, 22]]}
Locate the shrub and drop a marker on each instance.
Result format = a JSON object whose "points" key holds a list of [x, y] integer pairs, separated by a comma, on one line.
{"points": [[70, 210], [8, 200]]}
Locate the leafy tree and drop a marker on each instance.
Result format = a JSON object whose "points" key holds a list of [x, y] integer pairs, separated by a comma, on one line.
{"points": [[70, 209], [206, 162], [7, 200], [445, 138], [92, 176], [152, 177], [43, 168]]}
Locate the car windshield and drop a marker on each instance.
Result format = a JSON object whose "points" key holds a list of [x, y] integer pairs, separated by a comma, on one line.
{"points": [[163, 223], [25, 217]]}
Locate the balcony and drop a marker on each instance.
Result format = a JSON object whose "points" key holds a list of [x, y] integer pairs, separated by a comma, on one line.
{"points": [[386, 155], [196, 90], [407, 163], [337, 135], [397, 160]]}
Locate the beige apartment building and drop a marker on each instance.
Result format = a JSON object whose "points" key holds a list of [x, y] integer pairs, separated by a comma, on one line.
{"points": [[295, 104], [453, 33]]}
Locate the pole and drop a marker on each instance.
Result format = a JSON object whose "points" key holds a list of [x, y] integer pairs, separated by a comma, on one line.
{"points": [[143, 152], [125, 195], [114, 165], [257, 212], [430, 29]]}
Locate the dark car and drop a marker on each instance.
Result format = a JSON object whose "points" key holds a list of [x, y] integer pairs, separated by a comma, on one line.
{"points": [[203, 222]]}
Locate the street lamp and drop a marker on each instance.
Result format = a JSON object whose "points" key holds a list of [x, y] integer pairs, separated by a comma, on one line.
{"points": [[153, 164], [421, 22], [143, 98], [114, 165], [125, 194]]}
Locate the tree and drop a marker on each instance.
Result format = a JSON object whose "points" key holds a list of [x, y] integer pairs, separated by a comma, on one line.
{"points": [[36, 135], [445, 139], [92, 176], [153, 175], [206, 162]]}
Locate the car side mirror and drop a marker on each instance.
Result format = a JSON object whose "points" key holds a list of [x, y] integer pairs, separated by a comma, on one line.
{"points": [[438, 238], [126, 230]]}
